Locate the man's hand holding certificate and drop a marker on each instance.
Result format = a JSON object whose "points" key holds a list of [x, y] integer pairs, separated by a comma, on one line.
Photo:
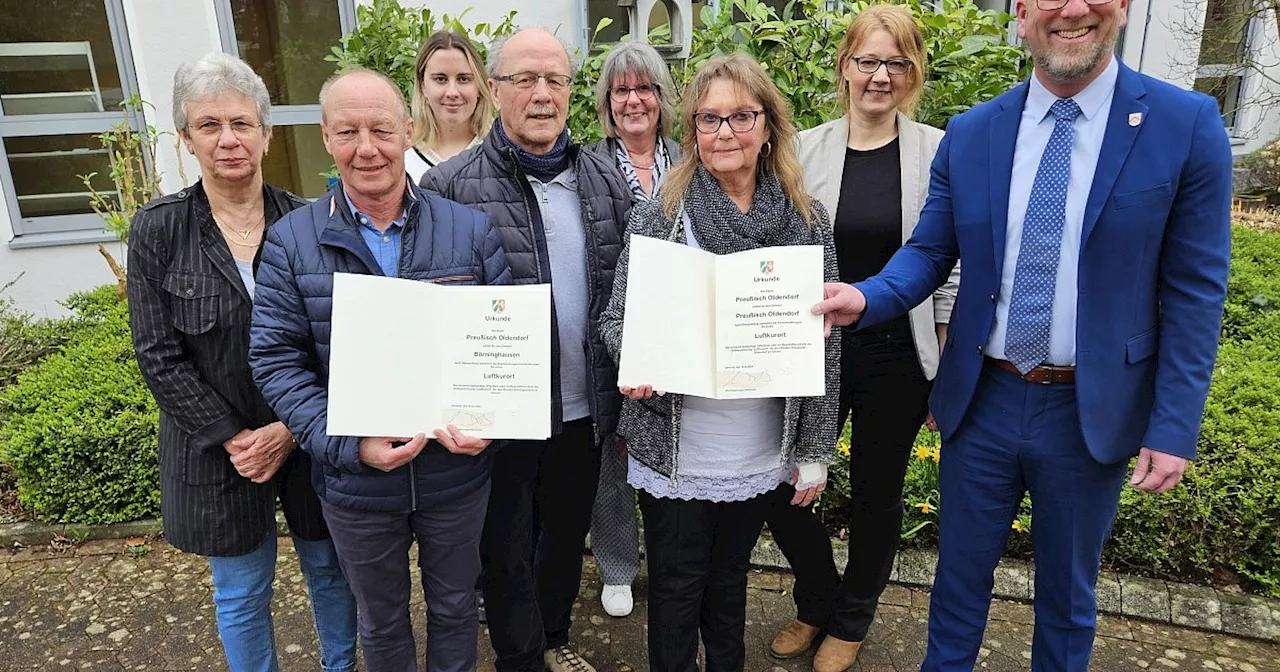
{"points": [[723, 326], [410, 357]]}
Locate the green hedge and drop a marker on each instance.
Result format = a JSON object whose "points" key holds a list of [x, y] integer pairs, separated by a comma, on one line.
{"points": [[1223, 521], [79, 428]]}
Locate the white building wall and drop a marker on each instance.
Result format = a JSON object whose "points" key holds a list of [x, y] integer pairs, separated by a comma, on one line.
{"points": [[46, 275]]}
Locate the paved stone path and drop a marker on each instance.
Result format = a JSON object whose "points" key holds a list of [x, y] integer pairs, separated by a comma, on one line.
{"points": [[100, 607]]}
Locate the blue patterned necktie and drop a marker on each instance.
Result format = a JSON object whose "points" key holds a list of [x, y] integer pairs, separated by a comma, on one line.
{"points": [[1026, 342]]}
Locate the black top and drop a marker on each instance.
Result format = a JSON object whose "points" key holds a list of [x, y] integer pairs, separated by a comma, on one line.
{"points": [[868, 225]]}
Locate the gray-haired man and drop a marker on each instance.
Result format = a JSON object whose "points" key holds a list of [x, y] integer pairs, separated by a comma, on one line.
{"points": [[560, 212]]}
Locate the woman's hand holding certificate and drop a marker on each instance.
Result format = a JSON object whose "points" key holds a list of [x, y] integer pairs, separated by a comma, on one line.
{"points": [[723, 326]]}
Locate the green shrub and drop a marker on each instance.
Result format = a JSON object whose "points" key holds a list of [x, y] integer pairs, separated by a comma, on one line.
{"points": [[79, 428], [1226, 512], [969, 58], [1253, 288], [25, 340]]}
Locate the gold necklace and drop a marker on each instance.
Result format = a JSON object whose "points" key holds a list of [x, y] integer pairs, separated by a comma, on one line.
{"points": [[243, 233]]}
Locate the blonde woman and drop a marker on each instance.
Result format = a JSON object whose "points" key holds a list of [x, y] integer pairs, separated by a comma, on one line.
{"points": [[705, 468], [870, 168], [452, 107]]}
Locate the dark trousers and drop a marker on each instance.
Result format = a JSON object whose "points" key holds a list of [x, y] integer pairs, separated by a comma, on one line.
{"points": [[888, 396], [1020, 437], [530, 587], [698, 553], [373, 549]]}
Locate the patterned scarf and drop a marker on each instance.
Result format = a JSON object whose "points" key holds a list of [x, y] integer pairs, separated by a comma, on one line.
{"points": [[720, 227], [661, 163], [545, 167]]}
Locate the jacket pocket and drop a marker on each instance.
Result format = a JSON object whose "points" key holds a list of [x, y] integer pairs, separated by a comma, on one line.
{"points": [[194, 301], [1146, 196], [207, 468], [1142, 346]]}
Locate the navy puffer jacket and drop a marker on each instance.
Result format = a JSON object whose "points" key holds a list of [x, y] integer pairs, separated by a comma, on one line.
{"points": [[289, 342]]}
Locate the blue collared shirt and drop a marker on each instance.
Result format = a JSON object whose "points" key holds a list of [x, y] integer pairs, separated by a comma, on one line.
{"points": [[1033, 136], [385, 245]]}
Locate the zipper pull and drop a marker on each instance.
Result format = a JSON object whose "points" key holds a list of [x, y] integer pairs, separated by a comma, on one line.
{"points": [[542, 192]]}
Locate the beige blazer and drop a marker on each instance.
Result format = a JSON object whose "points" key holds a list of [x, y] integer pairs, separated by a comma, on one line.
{"points": [[822, 154]]}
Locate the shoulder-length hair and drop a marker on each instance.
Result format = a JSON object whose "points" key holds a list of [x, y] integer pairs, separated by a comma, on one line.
{"points": [[901, 26], [644, 62], [750, 79], [425, 129]]}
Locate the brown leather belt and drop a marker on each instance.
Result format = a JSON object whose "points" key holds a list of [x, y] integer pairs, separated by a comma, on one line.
{"points": [[1042, 375]]}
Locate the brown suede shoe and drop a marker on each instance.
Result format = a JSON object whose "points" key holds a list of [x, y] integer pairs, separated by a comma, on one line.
{"points": [[794, 640], [835, 655]]}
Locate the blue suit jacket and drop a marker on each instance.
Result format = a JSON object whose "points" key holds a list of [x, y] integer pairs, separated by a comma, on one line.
{"points": [[1154, 254]]}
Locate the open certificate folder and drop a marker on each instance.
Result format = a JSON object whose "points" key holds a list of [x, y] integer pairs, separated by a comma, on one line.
{"points": [[728, 326], [408, 357]]}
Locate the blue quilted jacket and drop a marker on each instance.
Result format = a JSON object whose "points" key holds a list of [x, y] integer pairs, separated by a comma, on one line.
{"points": [[289, 341]]}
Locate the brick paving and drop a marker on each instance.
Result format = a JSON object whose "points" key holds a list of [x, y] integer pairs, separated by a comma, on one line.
{"points": [[100, 607]]}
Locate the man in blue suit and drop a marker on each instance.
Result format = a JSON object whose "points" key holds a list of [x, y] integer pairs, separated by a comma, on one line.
{"points": [[1091, 206]]}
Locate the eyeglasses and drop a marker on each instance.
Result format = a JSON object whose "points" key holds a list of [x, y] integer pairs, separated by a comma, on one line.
{"points": [[1055, 5], [620, 94], [528, 80], [740, 122], [894, 66], [213, 129]]}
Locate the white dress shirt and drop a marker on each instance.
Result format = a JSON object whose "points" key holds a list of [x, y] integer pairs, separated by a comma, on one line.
{"points": [[1033, 136]]}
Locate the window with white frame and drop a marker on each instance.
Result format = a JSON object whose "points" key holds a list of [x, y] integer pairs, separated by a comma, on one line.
{"points": [[285, 42], [64, 71], [1224, 51]]}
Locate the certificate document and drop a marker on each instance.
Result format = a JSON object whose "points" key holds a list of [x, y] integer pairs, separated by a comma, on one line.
{"points": [[409, 357], [728, 326]]}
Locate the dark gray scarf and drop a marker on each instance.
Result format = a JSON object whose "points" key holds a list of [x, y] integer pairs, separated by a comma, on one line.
{"points": [[720, 227]]}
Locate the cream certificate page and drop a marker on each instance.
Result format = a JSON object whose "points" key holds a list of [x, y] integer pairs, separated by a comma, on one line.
{"points": [[409, 357], [729, 326]]}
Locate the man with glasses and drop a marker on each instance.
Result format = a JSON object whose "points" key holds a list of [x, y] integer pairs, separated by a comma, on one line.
{"points": [[1091, 206], [560, 212]]}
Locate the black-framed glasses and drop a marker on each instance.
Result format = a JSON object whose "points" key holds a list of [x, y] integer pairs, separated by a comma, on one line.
{"points": [[620, 94], [740, 121], [528, 80], [1055, 5], [894, 66]]}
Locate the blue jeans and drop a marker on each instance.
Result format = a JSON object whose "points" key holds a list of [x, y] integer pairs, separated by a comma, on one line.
{"points": [[242, 598]]}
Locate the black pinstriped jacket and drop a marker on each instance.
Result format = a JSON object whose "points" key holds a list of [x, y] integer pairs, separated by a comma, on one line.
{"points": [[189, 314]]}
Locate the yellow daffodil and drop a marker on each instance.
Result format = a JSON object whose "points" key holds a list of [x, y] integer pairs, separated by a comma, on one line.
{"points": [[923, 453], [842, 447], [1018, 526], [925, 507], [936, 455]]}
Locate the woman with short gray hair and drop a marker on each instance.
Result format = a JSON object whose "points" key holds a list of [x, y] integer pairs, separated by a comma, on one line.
{"points": [[224, 458], [635, 98]]}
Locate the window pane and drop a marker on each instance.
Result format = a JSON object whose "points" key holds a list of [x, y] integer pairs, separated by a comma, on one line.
{"points": [[1224, 39], [45, 173], [285, 41], [296, 160], [57, 57], [1227, 91]]}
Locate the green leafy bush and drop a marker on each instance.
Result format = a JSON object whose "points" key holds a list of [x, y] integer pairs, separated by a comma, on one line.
{"points": [[970, 60], [79, 428]]}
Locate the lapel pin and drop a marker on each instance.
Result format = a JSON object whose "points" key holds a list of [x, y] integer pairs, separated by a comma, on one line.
{"points": [[1135, 118]]}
